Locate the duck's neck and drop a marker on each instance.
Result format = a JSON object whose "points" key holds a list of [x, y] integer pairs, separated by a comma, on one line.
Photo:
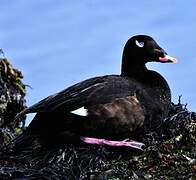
{"points": [[131, 67]]}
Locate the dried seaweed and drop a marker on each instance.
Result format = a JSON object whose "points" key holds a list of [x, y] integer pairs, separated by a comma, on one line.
{"points": [[169, 155]]}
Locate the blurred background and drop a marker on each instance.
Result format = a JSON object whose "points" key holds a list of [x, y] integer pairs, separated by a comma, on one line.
{"points": [[58, 43]]}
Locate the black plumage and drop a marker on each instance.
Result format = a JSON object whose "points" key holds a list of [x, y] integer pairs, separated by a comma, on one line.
{"points": [[118, 105]]}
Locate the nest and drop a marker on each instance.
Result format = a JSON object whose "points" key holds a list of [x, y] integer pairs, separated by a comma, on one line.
{"points": [[169, 154]]}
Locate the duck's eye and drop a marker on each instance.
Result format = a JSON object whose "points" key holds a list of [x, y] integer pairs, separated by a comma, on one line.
{"points": [[139, 44]]}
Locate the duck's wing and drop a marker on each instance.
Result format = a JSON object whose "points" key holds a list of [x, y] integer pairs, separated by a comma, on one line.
{"points": [[97, 90]]}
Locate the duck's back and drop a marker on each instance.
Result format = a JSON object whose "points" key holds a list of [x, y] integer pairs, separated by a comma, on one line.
{"points": [[126, 104]]}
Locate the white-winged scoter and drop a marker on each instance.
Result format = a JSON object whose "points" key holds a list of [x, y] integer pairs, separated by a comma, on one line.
{"points": [[118, 106]]}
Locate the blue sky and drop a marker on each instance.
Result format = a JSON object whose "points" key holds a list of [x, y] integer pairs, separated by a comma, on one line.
{"points": [[58, 43]]}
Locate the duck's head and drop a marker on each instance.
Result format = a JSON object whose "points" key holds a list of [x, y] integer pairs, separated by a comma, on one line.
{"points": [[141, 49]]}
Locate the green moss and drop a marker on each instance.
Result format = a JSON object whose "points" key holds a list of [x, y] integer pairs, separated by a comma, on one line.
{"points": [[12, 93]]}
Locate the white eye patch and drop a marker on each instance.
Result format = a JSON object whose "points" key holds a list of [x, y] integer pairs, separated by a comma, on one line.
{"points": [[139, 44]]}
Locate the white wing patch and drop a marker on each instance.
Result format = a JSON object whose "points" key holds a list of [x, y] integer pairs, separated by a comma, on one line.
{"points": [[81, 111]]}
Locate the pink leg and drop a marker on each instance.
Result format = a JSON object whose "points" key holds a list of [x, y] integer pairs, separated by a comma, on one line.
{"points": [[126, 142]]}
